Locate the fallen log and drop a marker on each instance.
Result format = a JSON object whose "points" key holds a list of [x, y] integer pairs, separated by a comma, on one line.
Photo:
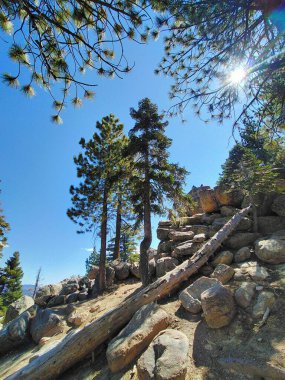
{"points": [[80, 343]]}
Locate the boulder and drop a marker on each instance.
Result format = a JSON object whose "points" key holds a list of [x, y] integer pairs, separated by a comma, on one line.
{"points": [[263, 202], [110, 276], [209, 218], [122, 271], [223, 273], [228, 211], [93, 272], [135, 270], [245, 293], [224, 257], [82, 295], [208, 200], [198, 229], [270, 224], [165, 265], [43, 300], [16, 332], [45, 324], [199, 238], [228, 198], [18, 307], [194, 219], [49, 290], [77, 318], [242, 254], [206, 270], [241, 239], [219, 223], [56, 301], [152, 267], [164, 246], [165, 223], [254, 271], [73, 297], [278, 205], [186, 249], [69, 288], [181, 236], [264, 300], [191, 296], [272, 249], [166, 358], [151, 252], [146, 323], [218, 306], [162, 233]]}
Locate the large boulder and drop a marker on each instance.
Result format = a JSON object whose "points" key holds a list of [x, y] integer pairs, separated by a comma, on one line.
{"points": [[264, 300], [244, 294], [56, 301], [110, 276], [164, 246], [122, 271], [181, 236], [241, 239], [16, 332], [270, 224], [228, 198], [93, 272], [186, 249], [45, 324], [252, 270], [136, 336], [49, 290], [162, 233], [218, 306], [272, 249], [166, 358], [135, 270], [242, 254], [165, 265], [278, 205], [223, 273], [224, 257], [263, 202], [69, 288], [228, 211], [191, 296], [208, 200], [18, 307]]}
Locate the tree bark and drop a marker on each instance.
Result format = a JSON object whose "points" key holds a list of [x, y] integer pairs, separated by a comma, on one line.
{"points": [[116, 254], [80, 343], [102, 263]]}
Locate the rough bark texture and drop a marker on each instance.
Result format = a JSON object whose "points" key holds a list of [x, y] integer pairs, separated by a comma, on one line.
{"points": [[80, 343], [102, 264], [116, 254]]}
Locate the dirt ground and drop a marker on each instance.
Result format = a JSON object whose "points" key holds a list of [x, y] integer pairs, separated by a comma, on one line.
{"points": [[243, 350]]}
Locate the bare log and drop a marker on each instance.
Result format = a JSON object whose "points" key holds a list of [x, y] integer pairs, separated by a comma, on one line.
{"points": [[80, 343]]}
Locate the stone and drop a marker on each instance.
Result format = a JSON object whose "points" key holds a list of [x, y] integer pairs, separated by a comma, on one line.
{"points": [[228, 198], [165, 223], [278, 205], [270, 224], [206, 270], [228, 211], [45, 324], [242, 254], [186, 249], [146, 323], [219, 223], [43, 300], [77, 318], [162, 233], [199, 229], [164, 246], [152, 267], [245, 224], [194, 219], [165, 265], [18, 307], [241, 239], [208, 200], [223, 273], [69, 288], [49, 290], [244, 294], [218, 306], [263, 202], [93, 272], [264, 300], [56, 301], [110, 276], [73, 297], [209, 218], [82, 296], [181, 236], [166, 358], [16, 332], [43, 341], [191, 296], [224, 257], [122, 271], [254, 270], [135, 270], [200, 238], [151, 252], [272, 249]]}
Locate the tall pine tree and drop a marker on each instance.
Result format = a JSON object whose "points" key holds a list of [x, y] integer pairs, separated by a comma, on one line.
{"points": [[153, 178]]}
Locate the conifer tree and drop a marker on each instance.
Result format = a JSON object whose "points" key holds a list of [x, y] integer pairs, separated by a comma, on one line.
{"points": [[4, 228], [153, 178], [93, 259], [98, 166]]}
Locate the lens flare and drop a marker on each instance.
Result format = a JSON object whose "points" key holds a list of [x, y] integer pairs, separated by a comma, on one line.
{"points": [[237, 75]]}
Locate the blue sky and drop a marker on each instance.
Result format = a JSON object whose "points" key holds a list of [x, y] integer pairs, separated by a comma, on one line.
{"points": [[37, 169]]}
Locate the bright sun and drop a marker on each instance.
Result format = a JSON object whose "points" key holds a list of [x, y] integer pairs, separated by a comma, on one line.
{"points": [[237, 75]]}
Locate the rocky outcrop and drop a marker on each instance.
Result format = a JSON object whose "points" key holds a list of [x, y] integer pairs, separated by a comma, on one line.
{"points": [[218, 306], [241, 239], [18, 307], [166, 358], [186, 249], [271, 250], [181, 236], [136, 336], [45, 324], [270, 224]]}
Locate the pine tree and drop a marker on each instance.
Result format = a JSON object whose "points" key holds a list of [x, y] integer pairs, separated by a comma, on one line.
{"points": [[99, 166], [4, 228], [154, 178], [128, 242], [93, 259]]}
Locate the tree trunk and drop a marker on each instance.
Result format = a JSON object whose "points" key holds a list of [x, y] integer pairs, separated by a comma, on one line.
{"points": [[116, 254], [80, 343], [102, 263]]}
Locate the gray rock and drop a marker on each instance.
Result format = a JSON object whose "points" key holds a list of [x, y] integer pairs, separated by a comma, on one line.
{"points": [[218, 306], [219, 223], [166, 358], [73, 297], [270, 224], [122, 271], [272, 249], [209, 218], [49, 290], [228, 211], [181, 236], [245, 293], [254, 270], [16, 332], [224, 257], [278, 205], [82, 296], [93, 272], [56, 301], [193, 305], [110, 276], [200, 238], [162, 233], [45, 324], [164, 246], [165, 223], [199, 229], [18, 307], [186, 249], [206, 270], [241, 239], [264, 300], [223, 273], [69, 288], [152, 267], [136, 336], [242, 254], [135, 270], [165, 265], [263, 203]]}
